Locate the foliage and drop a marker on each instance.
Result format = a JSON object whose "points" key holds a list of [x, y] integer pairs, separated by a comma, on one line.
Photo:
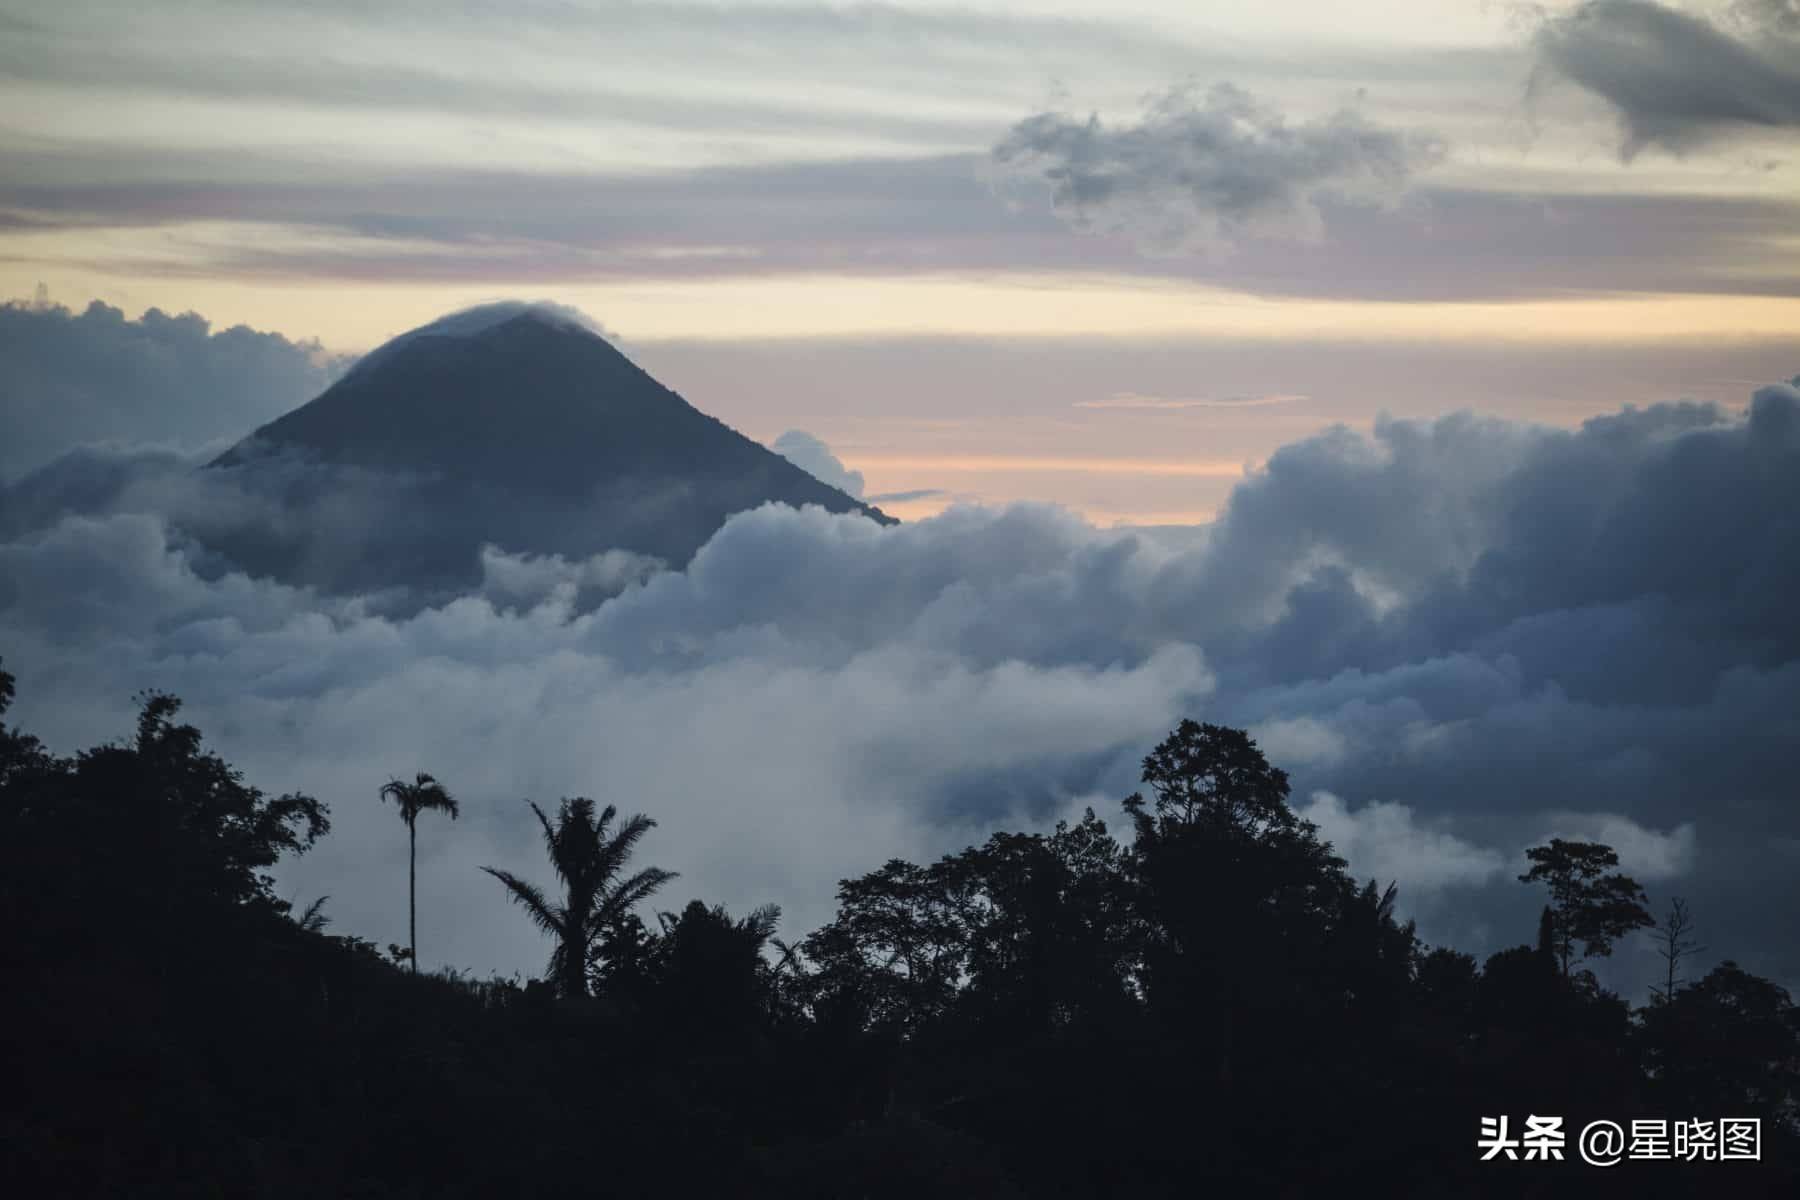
{"points": [[588, 854], [423, 794], [1215, 1005], [1591, 905]]}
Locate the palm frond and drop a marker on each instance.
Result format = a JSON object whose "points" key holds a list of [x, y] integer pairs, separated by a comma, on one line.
{"points": [[619, 846], [400, 793], [314, 920], [550, 839], [616, 901], [423, 793], [787, 954], [428, 793], [549, 917], [762, 922], [603, 820]]}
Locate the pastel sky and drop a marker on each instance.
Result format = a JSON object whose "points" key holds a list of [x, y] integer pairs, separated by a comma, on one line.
{"points": [[1102, 254]]}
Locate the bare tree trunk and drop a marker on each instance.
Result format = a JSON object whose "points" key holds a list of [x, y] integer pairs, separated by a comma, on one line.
{"points": [[412, 892]]}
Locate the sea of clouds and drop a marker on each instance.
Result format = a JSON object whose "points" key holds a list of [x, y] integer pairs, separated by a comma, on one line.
{"points": [[1459, 636]]}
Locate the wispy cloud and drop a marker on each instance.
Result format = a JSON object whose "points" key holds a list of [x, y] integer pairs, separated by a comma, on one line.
{"points": [[1201, 468], [1134, 400], [906, 497]]}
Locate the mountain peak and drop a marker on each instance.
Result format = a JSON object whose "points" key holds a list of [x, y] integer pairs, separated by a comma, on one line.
{"points": [[467, 322], [520, 425], [483, 318]]}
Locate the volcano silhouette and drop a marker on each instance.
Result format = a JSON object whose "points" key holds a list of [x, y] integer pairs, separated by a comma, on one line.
{"points": [[516, 426]]}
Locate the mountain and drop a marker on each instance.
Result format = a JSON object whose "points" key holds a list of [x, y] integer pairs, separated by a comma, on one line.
{"points": [[512, 425]]}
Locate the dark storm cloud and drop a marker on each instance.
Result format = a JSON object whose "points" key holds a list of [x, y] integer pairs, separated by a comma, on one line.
{"points": [[1678, 80], [1198, 171], [1461, 636], [95, 376]]}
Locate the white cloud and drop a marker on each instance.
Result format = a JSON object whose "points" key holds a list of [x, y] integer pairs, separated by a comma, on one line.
{"points": [[1390, 843], [1580, 624], [816, 459], [1646, 854]]}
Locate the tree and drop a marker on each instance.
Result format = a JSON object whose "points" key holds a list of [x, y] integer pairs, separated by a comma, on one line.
{"points": [[1674, 943], [588, 855], [1212, 776], [18, 750], [423, 794], [1053, 938], [1728, 1044], [1591, 905], [897, 951], [709, 970], [1238, 892], [127, 844], [195, 822]]}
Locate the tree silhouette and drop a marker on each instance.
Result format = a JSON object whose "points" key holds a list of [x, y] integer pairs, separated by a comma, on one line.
{"points": [[1220, 997], [897, 949], [1590, 904], [588, 855], [423, 794], [20, 753], [1237, 889], [1730, 1042], [711, 971], [1674, 942]]}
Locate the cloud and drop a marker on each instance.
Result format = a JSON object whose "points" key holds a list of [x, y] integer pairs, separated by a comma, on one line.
{"points": [[544, 230], [96, 376], [1677, 80], [1133, 400], [529, 581], [1386, 842], [1459, 636], [816, 459], [1645, 854], [1200, 173], [906, 497]]}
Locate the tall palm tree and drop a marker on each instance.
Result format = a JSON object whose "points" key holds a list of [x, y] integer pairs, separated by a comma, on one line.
{"points": [[588, 855], [423, 794]]}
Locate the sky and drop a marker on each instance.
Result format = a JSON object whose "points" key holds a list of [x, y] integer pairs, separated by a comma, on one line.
{"points": [[893, 225], [1410, 382]]}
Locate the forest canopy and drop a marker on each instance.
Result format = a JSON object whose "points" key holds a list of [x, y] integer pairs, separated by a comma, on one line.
{"points": [[1213, 1000]]}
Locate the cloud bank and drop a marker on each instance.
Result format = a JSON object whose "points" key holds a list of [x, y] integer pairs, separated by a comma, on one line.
{"points": [[1460, 636], [95, 376]]}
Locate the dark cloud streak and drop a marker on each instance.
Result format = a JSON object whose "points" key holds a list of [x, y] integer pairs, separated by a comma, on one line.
{"points": [[1676, 80]]}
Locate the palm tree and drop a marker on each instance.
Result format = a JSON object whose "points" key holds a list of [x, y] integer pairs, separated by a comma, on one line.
{"points": [[588, 855], [421, 795]]}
